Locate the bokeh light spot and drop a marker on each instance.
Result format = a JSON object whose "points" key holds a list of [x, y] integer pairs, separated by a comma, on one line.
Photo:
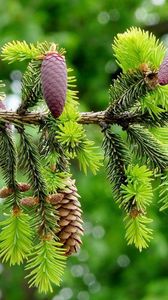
{"points": [[83, 295], [77, 271], [103, 17], [158, 2], [123, 261]]}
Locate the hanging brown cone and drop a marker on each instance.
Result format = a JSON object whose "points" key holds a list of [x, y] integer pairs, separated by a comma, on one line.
{"points": [[70, 222]]}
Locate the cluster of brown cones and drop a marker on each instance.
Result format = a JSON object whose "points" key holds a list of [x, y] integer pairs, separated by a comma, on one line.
{"points": [[69, 212]]}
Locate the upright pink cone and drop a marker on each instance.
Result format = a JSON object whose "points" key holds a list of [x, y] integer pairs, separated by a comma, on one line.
{"points": [[2, 105], [163, 72], [54, 82]]}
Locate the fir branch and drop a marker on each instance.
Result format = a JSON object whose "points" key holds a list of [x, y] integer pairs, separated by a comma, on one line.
{"points": [[69, 134], [15, 238], [8, 163], [73, 138], [51, 149], [29, 161], [47, 265], [161, 134], [127, 91], [31, 86], [45, 215], [55, 180], [19, 51], [146, 147], [137, 191], [137, 232], [135, 47], [153, 120], [89, 156], [117, 154], [38, 118], [163, 191]]}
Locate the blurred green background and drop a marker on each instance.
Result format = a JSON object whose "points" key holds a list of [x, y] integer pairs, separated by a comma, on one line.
{"points": [[105, 268]]}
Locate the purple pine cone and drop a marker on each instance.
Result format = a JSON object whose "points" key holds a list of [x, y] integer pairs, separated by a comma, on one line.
{"points": [[163, 72], [54, 82], [2, 106]]}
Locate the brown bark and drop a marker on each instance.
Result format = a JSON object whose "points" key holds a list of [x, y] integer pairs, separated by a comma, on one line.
{"points": [[85, 117]]}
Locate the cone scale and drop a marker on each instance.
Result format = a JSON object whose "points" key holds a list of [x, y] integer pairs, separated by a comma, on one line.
{"points": [[54, 82], [163, 72]]}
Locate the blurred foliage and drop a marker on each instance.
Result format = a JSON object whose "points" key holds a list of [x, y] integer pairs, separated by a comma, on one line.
{"points": [[105, 268]]}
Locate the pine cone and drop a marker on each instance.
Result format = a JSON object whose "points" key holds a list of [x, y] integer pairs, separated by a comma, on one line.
{"points": [[163, 72], [2, 106], [70, 222], [54, 82]]}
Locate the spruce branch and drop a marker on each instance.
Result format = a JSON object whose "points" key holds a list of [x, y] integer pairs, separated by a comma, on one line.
{"points": [[46, 265], [135, 47], [118, 158], [31, 86], [46, 216], [127, 90], [15, 238], [8, 164], [163, 191], [138, 103], [137, 191], [137, 231], [19, 51], [146, 147], [51, 150], [152, 120], [29, 161], [86, 118]]}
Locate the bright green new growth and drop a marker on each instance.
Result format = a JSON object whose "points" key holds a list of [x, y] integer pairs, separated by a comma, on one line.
{"points": [[16, 238], [138, 186], [73, 139], [156, 101], [136, 151], [137, 232], [136, 47], [19, 51], [47, 265]]}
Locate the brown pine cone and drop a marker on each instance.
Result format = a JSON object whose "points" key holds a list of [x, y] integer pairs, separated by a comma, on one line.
{"points": [[54, 82], [70, 222], [69, 213]]}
